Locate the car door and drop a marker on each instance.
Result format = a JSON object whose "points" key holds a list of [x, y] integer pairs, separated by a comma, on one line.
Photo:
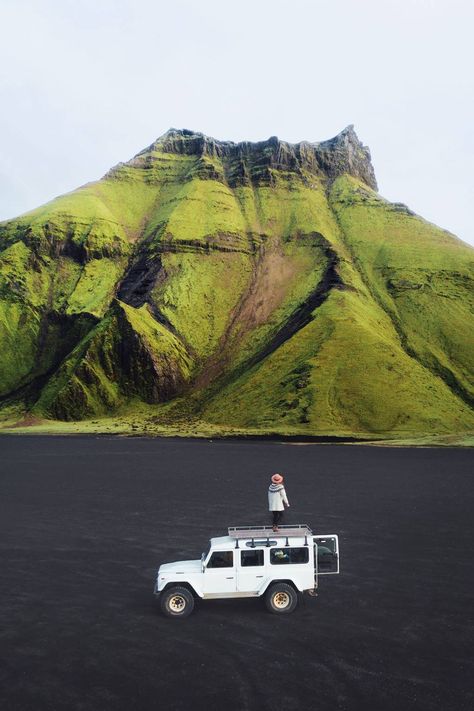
{"points": [[326, 551], [219, 574], [250, 568]]}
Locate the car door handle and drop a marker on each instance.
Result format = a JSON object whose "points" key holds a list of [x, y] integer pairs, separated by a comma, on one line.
{"points": [[259, 576], [230, 577]]}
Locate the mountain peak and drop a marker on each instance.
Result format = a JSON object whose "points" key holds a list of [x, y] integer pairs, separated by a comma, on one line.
{"points": [[345, 153]]}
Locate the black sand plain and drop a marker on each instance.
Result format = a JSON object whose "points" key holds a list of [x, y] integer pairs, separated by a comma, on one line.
{"points": [[84, 523]]}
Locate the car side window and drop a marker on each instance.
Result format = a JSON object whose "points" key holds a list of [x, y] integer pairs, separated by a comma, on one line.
{"points": [[221, 559], [279, 556], [251, 558]]}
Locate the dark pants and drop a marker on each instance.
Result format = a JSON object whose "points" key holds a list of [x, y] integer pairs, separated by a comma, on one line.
{"points": [[277, 516]]}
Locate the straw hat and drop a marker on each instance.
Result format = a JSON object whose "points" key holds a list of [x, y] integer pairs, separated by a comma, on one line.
{"points": [[277, 478]]}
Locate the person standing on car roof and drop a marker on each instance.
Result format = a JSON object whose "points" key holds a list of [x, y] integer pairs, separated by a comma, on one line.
{"points": [[277, 499]]}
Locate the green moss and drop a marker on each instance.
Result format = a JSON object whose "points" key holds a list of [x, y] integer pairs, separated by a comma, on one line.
{"points": [[287, 209], [95, 287], [22, 278], [23, 288], [65, 274], [199, 211], [19, 332], [78, 218], [200, 293], [422, 276]]}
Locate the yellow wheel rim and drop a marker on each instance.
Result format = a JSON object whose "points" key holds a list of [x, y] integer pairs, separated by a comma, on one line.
{"points": [[177, 603], [281, 600]]}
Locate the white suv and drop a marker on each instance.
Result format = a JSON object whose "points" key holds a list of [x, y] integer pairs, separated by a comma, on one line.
{"points": [[250, 562]]}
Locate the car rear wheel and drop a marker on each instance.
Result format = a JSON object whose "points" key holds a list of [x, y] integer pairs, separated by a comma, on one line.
{"points": [[177, 602], [281, 599]]}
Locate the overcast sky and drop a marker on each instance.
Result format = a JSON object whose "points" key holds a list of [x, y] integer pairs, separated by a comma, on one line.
{"points": [[88, 83]]}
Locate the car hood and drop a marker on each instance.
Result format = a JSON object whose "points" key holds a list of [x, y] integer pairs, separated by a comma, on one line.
{"points": [[181, 566]]}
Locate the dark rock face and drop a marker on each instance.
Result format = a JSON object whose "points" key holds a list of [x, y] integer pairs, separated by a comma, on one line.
{"points": [[248, 162], [139, 280]]}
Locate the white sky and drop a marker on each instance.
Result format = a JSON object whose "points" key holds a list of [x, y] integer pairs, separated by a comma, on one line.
{"points": [[85, 84]]}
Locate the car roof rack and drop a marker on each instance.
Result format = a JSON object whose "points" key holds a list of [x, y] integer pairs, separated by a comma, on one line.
{"points": [[253, 533]]}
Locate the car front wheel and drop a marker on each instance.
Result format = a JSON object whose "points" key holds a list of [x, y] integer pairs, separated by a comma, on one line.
{"points": [[281, 599], [177, 602]]}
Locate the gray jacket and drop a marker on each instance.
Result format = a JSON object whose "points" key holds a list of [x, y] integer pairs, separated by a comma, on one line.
{"points": [[276, 497]]}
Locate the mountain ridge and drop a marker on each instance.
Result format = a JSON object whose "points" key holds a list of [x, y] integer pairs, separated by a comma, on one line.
{"points": [[342, 153]]}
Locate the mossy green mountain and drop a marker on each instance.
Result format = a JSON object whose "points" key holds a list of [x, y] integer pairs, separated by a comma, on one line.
{"points": [[251, 287]]}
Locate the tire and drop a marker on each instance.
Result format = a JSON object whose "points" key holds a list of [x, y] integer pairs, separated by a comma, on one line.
{"points": [[176, 602], [281, 599]]}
